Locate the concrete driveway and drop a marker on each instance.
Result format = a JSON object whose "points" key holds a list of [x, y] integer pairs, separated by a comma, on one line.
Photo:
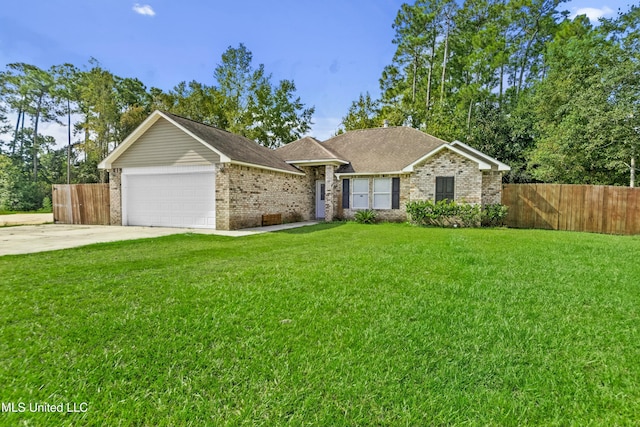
{"points": [[48, 237]]}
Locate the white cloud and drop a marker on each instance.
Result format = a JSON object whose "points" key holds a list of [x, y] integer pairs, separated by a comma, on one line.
{"points": [[143, 9], [592, 13]]}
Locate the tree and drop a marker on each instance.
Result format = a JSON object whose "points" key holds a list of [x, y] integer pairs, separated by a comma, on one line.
{"points": [[133, 105], [363, 114], [199, 102], [587, 108], [243, 101], [415, 38], [534, 24], [466, 71], [253, 106], [275, 116], [422, 35], [66, 89], [99, 108], [28, 90], [236, 78], [111, 107], [4, 121]]}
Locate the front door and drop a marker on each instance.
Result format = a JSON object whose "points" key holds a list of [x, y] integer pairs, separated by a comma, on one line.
{"points": [[320, 196]]}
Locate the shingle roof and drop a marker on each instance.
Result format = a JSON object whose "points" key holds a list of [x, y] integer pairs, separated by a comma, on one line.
{"points": [[306, 149], [369, 151], [236, 147], [381, 150]]}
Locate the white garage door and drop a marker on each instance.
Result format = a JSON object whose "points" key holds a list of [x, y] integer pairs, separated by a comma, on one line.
{"points": [[175, 199]]}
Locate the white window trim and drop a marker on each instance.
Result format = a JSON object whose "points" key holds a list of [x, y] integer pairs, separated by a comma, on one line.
{"points": [[388, 193], [354, 193]]}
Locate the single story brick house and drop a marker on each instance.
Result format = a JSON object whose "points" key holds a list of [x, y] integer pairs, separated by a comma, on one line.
{"points": [[174, 172]]}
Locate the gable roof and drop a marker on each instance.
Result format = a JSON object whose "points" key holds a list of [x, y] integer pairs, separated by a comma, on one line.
{"points": [[464, 147], [230, 147], [366, 151], [308, 151], [484, 161], [381, 150]]}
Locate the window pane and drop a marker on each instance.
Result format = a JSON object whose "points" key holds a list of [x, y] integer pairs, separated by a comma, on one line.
{"points": [[382, 185], [360, 185], [361, 201], [382, 201]]}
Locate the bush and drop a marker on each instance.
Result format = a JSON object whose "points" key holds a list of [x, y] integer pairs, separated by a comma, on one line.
{"points": [[47, 207], [444, 213], [367, 216], [452, 214], [17, 191], [469, 215], [493, 215]]}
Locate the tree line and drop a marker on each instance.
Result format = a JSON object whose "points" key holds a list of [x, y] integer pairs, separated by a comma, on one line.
{"points": [[554, 97], [99, 109]]}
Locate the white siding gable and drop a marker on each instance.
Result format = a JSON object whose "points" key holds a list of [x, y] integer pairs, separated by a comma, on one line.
{"points": [[163, 144]]}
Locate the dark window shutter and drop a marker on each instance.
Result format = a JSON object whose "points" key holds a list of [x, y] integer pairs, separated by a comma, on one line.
{"points": [[445, 188], [395, 193], [345, 194]]}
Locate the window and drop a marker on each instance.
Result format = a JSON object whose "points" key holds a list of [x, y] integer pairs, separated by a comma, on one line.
{"points": [[345, 194], [360, 194], [445, 188], [395, 193], [382, 193]]}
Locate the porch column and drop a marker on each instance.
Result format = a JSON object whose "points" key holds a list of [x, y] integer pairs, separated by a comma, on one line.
{"points": [[329, 192]]}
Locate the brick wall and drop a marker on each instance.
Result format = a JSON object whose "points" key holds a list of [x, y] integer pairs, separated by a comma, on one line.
{"points": [[115, 194], [382, 214], [491, 187], [244, 194], [468, 178]]}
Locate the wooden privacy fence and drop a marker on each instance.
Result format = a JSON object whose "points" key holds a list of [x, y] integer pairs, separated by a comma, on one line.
{"points": [[592, 208], [81, 204]]}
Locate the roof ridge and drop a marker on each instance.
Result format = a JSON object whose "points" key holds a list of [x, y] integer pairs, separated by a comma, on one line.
{"points": [[202, 124], [327, 150]]}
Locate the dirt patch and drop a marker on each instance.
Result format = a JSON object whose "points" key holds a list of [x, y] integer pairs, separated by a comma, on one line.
{"points": [[26, 219]]}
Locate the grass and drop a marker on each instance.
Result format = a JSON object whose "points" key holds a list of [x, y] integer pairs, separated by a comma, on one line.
{"points": [[327, 325]]}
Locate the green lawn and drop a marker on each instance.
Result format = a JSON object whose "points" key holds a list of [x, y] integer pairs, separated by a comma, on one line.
{"points": [[330, 325]]}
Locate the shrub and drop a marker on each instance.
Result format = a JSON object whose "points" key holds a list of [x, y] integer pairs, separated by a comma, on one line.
{"points": [[444, 213], [46, 205], [493, 215], [468, 215], [367, 216], [17, 191]]}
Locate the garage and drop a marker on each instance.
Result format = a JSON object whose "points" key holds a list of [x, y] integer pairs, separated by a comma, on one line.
{"points": [[169, 196], [167, 171]]}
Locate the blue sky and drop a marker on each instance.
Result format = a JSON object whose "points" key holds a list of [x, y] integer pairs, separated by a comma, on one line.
{"points": [[332, 49]]}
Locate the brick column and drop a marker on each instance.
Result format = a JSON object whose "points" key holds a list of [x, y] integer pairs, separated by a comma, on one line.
{"points": [[115, 197], [222, 196], [329, 185]]}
